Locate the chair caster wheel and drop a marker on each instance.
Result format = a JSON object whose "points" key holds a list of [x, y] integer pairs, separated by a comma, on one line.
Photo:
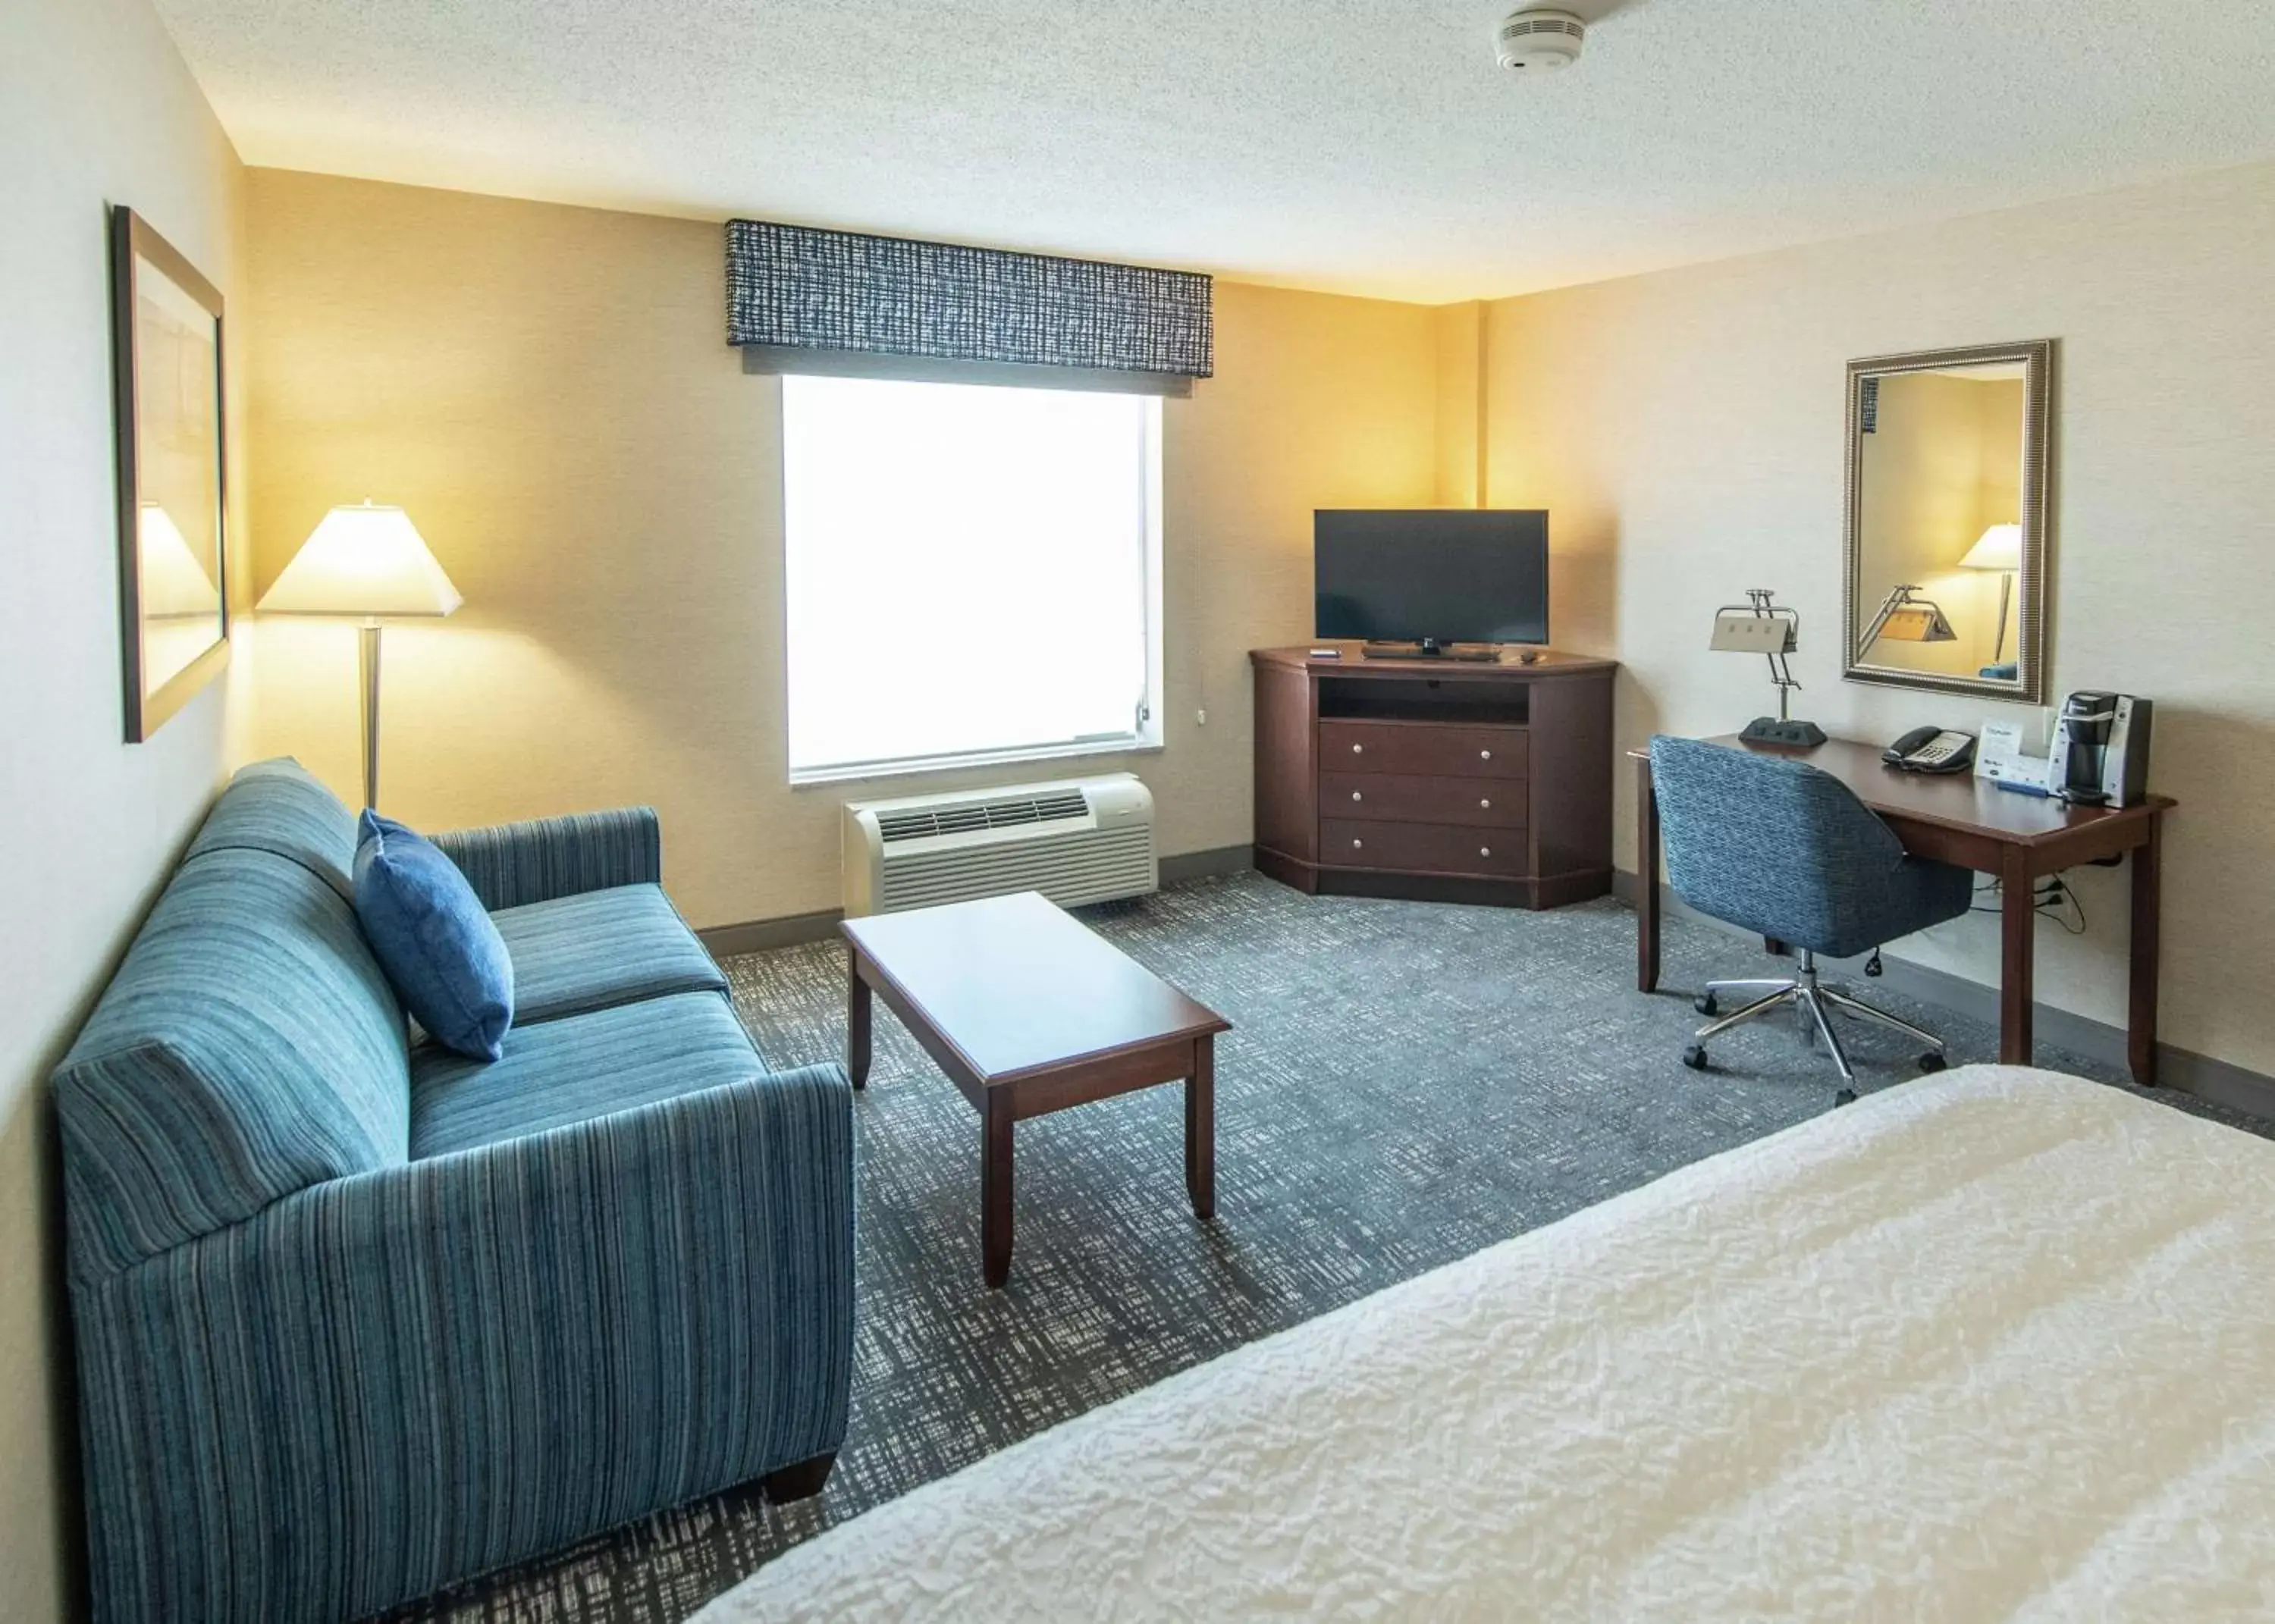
{"points": [[1845, 1096], [1704, 1004], [1694, 1057], [1932, 1063]]}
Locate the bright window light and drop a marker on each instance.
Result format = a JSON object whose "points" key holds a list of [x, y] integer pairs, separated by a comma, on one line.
{"points": [[973, 573]]}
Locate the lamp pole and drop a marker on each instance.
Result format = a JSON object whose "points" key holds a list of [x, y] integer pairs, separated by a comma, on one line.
{"points": [[369, 662]]}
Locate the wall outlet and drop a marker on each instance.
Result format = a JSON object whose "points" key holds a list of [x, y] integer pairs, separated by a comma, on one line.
{"points": [[1200, 718]]}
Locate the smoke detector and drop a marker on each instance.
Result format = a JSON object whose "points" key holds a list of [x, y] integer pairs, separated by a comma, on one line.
{"points": [[1540, 41]]}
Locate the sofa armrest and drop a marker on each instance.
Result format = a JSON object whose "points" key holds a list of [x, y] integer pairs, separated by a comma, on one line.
{"points": [[393, 1381], [512, 863]]}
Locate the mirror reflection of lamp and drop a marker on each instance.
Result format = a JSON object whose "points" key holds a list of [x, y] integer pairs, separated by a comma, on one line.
{"points": [[174, 586], [1999, 548], [366, 563], [1907, 617]]}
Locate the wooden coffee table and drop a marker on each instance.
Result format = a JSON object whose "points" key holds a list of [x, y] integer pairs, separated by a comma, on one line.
{"points": [[1028, 1012]]}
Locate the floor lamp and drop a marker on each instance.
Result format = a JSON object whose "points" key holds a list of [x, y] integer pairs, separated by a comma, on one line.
{"points": [[2001, 548], [365, 563]]}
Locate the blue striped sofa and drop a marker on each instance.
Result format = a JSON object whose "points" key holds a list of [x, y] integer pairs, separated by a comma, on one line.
{"points": [[357, 1318]]}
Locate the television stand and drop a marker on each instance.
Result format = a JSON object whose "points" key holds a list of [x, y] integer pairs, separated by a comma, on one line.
{"points": [[1430, 648], [1435, 779]]}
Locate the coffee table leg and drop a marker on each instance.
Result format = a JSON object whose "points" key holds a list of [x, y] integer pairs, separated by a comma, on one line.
{"points": [[996, 1191], [858, 1018], [1200, 1129]]}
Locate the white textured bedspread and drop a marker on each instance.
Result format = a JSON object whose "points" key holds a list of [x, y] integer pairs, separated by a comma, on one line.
{"points": [[1998, 1344]]}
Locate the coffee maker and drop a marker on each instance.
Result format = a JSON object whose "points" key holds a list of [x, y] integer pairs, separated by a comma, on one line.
{"points": [[2100, 753]]}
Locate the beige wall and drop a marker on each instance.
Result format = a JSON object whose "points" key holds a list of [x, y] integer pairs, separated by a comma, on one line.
{"points": [[1459, 332], [1686, 429], [95, 107], [549, 393]]}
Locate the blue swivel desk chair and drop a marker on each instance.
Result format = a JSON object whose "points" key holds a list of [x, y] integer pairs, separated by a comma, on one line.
{"points": [[1778, 848]]}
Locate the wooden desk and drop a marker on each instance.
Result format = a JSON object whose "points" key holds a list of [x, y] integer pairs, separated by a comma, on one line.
{"points": [[1963, 819]]}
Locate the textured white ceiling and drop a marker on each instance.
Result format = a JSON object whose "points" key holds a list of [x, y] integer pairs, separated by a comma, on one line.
{"points": [[1369, 146]]}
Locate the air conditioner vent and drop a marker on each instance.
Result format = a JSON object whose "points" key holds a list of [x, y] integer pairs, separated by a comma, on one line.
{"points": [[1075, 841], [989, 815]]}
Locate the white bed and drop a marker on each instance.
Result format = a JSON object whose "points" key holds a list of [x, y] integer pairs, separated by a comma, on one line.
{"points": [[1998, 1344]]}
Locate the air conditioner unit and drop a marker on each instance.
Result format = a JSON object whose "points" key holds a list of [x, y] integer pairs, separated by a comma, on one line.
{"points": [[1076, 840]]}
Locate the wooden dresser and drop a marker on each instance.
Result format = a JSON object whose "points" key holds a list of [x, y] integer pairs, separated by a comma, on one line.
{"points": [[1438, 780]]}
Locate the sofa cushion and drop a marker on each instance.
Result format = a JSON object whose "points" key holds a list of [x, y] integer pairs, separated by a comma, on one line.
{"points": [[434, 939], [278, 807], [601, 948], [247, 1047], [563, 1071]]}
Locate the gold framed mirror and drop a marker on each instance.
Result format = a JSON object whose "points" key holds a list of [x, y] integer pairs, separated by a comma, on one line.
{"points": [[1947, 543], [171, 466]]}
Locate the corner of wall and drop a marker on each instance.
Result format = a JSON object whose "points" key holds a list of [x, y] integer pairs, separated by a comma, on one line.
{"points": [[1460, 331]]}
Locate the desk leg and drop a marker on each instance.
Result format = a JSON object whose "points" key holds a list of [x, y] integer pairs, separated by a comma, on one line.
{"points": [[858, 1018], [2018, 921], [2141, 1022], [995, 1190], [1200, 1129], [1646, 879]]}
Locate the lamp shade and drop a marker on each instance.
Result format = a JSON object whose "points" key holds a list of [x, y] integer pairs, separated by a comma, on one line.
{"points": [[1743, 632], [1999, 547], [363, 560], [1917, 622]]}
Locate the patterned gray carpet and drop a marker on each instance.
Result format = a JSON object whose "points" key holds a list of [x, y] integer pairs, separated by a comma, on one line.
{"points": [[1404, 1084]]}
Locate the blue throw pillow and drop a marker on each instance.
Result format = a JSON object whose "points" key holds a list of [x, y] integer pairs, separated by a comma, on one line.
{"points": [[432, 937]]}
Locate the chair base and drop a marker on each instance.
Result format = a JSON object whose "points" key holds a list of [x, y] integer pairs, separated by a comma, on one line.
{"points": [[799, 1480], [1817, 1001]]}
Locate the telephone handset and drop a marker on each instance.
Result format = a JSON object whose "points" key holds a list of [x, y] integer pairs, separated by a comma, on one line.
{"points": [[1928, 749]]}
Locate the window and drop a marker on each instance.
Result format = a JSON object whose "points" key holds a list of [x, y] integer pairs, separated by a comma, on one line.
{"points": [[973, 573]]}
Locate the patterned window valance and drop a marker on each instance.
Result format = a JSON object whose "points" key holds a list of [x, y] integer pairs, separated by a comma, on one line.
{"points": [[793, 287]]}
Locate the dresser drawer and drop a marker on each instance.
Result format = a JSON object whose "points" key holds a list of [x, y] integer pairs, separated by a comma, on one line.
{"points": [[1422, 848], [1393, 797], [1421, 750]]}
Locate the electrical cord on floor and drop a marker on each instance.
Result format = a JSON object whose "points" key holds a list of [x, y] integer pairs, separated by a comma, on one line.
{"points": [[2053, 894], [2051, 900]]}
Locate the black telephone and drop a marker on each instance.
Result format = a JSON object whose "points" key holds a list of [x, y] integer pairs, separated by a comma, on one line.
{"points": [[1929, 750]]}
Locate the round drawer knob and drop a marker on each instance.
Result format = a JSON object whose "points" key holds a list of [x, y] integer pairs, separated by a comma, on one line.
{"points": [[1358, 749], [1356, 795], [1485, 803], [1484, 851], [1485, 755], [1356, 843]]}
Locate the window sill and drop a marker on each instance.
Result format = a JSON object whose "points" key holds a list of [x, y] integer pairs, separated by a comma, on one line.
{"points": [[1128, 745]]}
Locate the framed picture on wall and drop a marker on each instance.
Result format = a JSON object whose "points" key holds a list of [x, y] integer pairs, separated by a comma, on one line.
{"points": [[173, 497]]}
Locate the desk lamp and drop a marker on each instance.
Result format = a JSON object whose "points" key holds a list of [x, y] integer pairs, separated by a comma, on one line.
{"points": [[2001, 548], [1759, 627], [369, 564]]}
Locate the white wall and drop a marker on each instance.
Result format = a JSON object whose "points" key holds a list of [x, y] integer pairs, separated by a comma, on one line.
{"points": [[95, 107], [1687, 427]]}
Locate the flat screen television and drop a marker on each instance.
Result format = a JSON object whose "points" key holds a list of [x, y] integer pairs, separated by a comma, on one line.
{"points": [[1440, 575]]}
